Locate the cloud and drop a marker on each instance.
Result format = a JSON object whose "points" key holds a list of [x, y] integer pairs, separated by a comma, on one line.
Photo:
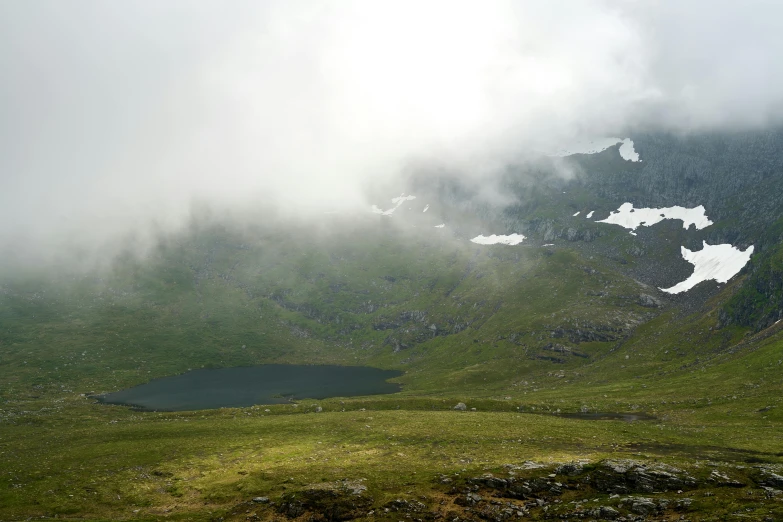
{"points": [[115, 116]]}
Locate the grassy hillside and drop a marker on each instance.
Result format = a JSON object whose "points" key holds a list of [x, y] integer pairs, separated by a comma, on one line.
{"points": [[519, 333]]}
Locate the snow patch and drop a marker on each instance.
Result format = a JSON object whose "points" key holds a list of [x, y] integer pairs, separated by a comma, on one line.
{"points": [[511, 239], [426, 208], [577, 213], [628, 217], [594, 146], [441, 225], [402, 198], [717, 262], [590, 214], [549, 244], [627, 152]]}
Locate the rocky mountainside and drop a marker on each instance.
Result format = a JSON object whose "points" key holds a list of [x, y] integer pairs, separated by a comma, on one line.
{"points": [[737, 178], [411, 285]]}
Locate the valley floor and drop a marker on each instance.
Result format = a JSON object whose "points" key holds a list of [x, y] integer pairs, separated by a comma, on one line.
{"points": [[387, 458]]}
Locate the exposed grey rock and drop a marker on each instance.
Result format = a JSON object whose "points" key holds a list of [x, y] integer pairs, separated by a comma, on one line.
{"points": [[721, 479], [608, 513], [642, 505], [261, 500], [649, 301], [471, 499], [491, 481], [628, 476], [461, 406]]}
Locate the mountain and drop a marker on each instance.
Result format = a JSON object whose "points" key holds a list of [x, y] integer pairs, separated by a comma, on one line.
{"points": [[642, 274]]}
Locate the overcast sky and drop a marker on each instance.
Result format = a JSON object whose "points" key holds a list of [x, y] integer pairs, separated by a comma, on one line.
{"points": [[117, 114]]}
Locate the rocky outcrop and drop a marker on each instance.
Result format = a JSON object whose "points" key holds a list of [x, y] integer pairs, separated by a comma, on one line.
{"points": [[628, 476], [328, 502]]}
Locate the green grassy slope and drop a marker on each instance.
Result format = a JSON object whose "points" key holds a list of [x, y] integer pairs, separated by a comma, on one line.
{"points": [[527, 329]]}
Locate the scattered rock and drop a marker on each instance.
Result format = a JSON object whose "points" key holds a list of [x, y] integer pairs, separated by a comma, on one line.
{"points": [[683, 504], [471, 499], [461, 406], [406, 506], [261, 500], [329, 501]]}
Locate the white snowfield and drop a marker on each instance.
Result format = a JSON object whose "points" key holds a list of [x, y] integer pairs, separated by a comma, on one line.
{"points": [[397, 202], [628, 217], [511, 239], [590, 214], [718, 262], [576, 214], [594, 146]]}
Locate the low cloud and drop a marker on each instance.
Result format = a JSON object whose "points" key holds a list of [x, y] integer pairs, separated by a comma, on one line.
{"points": [[119, 118]]}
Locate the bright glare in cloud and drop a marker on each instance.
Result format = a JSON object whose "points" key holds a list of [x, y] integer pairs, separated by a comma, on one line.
{"points": [[117, 117]]}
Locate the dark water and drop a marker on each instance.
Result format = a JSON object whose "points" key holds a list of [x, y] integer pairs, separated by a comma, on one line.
{"points": [[627, 417], [247, 386]]}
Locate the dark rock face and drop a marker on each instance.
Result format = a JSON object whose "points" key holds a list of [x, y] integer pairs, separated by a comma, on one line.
{"points": [[770, 479], [411, 327], [588, 332], [570, 469]]}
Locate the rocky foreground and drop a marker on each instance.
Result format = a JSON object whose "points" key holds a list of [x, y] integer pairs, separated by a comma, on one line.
{"points": [[621, 490]]}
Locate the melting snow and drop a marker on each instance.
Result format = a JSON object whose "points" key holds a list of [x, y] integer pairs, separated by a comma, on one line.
{"points": [[511, 239], [577, 213], [549, 244], [397, 202], [718, 262], [629, 217], [627, 152], [426, 208], [441, 225], [590, 214]]}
